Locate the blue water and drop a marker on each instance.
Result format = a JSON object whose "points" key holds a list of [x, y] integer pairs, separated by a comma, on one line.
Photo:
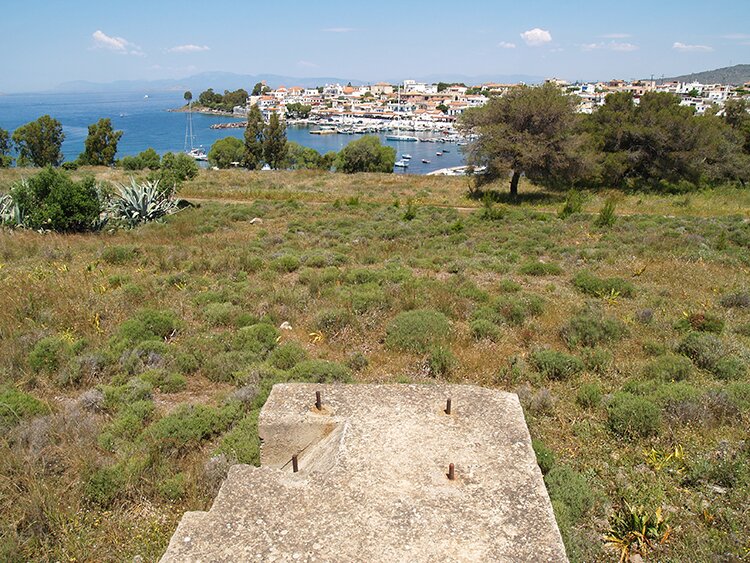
{"points": [[145, 122]]}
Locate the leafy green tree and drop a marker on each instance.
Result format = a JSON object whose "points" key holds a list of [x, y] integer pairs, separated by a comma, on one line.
{"points": [[226, 151], [442, 107], [253, 158], [302, 158], [52, 200], [366, 154], [661, 144], [39, 143], [529, 130], [100, 146], [274, 142], [145, 159], [737, 116], [5, 159], [298, 111], [188, 96], [260, 89]]}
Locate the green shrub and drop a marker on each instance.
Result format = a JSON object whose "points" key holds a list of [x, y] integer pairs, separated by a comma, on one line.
{"points": [[357, 361], [148, 324], [320, 371], [117, 396], [226, 367], [739, 394], [167, 382], [589, 329], [286, 263], [540, 269], [483, 329], [105, 485], [569, 487], [361, 276], [556, 365], [417, 331], [738, 300], [702, 322], [573, 204], [51, 200], [589, 395], [545, 457], [669, 367], [49, 354], [259, 339], [287, 355], [369, 297], [173, 488], [607, 215], [188, 426], [221, 314], [118, 255], [590, 284], [16, 406], [597, 359], [729, 368], [332, 321], [709, 353], [631, 416], [241, 443], [441, 362]]}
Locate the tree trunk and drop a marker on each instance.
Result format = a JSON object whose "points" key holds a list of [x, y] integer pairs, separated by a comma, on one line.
{"points": [[514, 184]]}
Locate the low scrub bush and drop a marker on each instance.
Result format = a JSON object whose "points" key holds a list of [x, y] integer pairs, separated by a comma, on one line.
{"points": [[709, 352], [545, 457], [320, 371], [49, 354], [607, 215], [590, 284], [258, 339], [573, 204], [287, 355], [540, 269], [165, 381], [441, 362], [597, 359], [631, 416], [188, 426], [569, 487], [589, 395], [15, 406], [482, 329], [669, 367], [589, 329], [148, 324], [701, 322], [105, 485], [286, 263], [556, 365], [417, 331], [739, 394], [241, 444], [117, 255], [332, 321], [738, 300]]}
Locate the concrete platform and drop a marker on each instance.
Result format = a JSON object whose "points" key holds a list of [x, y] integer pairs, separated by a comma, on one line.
{"points": [[372, 482]]}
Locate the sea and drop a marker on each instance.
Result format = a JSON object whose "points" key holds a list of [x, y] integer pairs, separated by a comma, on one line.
{"points": [[145, 121]]}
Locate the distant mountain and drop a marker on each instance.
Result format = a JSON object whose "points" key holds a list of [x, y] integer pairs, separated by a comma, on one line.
{"points": [[219, 81], [736, 75]]}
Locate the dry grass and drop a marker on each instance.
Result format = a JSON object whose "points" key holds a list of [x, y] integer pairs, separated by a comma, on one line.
{"points": [[445, 259]]}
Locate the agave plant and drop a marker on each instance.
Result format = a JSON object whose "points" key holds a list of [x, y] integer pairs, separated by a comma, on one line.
{"points": [[140, 203], [10, 213]]}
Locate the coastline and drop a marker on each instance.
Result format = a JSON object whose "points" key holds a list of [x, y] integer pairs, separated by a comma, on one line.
{"points": [[202, 110]]}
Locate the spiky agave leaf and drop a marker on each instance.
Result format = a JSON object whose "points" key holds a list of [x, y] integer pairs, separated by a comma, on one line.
{"points": [[139, 203], [10, 213]]}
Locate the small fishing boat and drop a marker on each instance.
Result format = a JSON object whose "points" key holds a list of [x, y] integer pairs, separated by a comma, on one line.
{"points": [[446, 150], [425, 161], [402, 164], [439, 153], [405, 157]]}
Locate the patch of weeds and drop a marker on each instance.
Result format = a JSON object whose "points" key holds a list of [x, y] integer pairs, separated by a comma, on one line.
{"points": [[49, 354], [226, 367], [258, 339], [188, 426], [441, 362], [567, 486], [589, 329], [105, 485], [573, 204], [589, 395], [597, 359], [417, 331], [117, 396], [148, 324], [701, 322], [287, 355], [739, 394], [588, 283], [357, 361], [545, 457], [241, 444], [709, 353], [226, 314], [607, 216], [540, 269], [636, 530], [15, 406], [320, 371], [118, 255], [631, 416], [738, 300], [173, 488], [165, 381], [369, 297], [556, 365], [286, 263], [332, 321], [669, 367], [482, 329]]}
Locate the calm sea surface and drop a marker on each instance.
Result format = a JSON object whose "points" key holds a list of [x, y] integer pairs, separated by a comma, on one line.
{"points": [[145, 122]]}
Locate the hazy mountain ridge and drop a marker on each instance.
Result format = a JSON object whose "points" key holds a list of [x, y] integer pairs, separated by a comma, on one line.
{"points": [[736, 75]]}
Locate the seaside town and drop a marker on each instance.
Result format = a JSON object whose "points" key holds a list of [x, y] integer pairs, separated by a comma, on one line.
{"points": [[418, 106]]}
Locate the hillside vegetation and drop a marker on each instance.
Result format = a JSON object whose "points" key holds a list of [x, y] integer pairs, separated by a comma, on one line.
{"points": [[134, 363]]}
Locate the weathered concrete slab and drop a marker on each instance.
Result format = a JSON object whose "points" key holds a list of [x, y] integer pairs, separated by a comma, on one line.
{"points": [[372, 483]]}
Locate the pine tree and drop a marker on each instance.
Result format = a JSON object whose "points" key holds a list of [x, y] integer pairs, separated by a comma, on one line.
{"points": [[274, 142], [254, 139]]}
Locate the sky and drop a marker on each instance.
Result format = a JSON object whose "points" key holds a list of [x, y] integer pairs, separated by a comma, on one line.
{"points": [[53, 41]]}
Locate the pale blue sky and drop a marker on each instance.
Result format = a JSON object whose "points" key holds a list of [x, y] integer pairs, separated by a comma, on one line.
{"points": [[53, 41]]}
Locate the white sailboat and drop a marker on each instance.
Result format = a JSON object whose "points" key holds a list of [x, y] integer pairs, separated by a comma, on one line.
{"points": [[198, 153], [398, 136]]}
